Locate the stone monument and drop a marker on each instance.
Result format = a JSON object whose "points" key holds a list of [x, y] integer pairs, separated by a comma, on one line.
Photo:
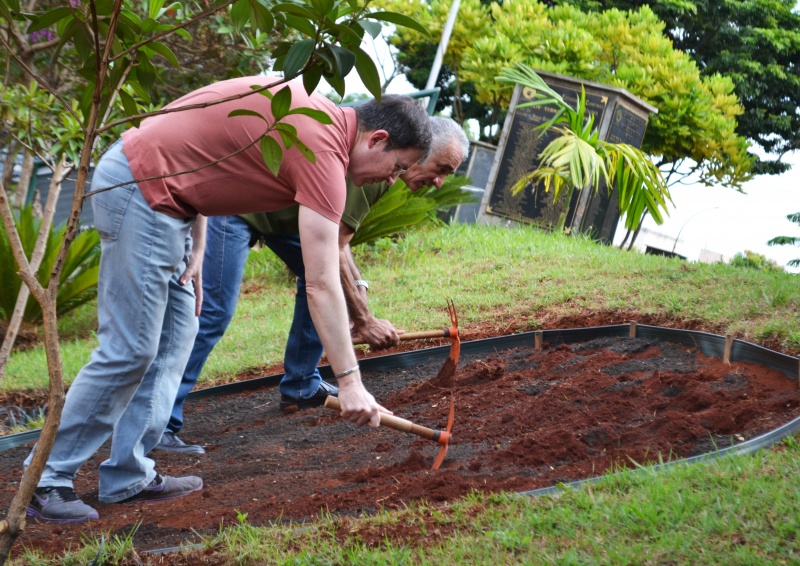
{"points": [[619, 117]]}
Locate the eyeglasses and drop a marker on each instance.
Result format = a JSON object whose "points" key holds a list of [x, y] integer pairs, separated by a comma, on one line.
{"points": [[398, 168]]}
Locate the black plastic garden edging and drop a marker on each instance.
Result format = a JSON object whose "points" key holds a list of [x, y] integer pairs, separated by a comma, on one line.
{"points": [[709, 344]]}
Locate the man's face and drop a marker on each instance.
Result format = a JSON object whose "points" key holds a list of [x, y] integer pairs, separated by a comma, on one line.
{"points": [[371, 162], [434, 171]]}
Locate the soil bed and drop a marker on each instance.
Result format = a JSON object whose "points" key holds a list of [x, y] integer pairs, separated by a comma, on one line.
{"points": [[524, 419]]}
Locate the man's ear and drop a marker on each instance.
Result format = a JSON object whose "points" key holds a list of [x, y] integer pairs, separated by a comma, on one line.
{"points": [[376, 137]]}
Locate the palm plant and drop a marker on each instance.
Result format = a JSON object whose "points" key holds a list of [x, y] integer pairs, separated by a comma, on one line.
{"points": [[402, 210], [788, 240], [78, 280], [579, 159]]}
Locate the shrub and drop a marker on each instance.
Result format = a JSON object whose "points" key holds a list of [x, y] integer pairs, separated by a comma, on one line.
{"points": [[78, 281], [401, 210]]}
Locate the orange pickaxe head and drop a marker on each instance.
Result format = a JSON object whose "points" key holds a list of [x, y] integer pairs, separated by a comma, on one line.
{"points": [[444, 437], [403, 425]]}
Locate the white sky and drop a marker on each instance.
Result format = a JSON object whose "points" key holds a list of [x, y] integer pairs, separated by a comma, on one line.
{"points": [[725, 221]]}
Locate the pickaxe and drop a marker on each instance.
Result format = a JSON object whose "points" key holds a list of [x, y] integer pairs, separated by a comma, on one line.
{"points": [[449, 368], [403, 425]]}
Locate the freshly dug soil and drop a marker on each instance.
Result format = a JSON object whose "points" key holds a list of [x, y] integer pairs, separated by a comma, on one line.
{"points": [[524, 419]]}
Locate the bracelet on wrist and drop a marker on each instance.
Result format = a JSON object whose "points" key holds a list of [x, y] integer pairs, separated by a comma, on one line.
{"points": [[346, 372]]}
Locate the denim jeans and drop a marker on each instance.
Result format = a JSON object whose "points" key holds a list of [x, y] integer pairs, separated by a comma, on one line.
{"points": [[146, 327], [228, 242]]}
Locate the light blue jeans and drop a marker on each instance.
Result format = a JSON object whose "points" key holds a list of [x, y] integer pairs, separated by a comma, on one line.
{"points": [[228, 242], [146, 328]]}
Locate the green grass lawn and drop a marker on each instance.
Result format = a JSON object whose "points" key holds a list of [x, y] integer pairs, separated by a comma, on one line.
{"points": [[740, 510]]}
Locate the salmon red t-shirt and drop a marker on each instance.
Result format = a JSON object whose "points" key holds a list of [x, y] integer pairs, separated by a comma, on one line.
{"points": [[197, 144]]}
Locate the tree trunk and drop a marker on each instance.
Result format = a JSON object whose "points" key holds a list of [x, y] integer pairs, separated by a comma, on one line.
{"points": [[36, 259], [25, 176], [13, 525], [638, 228]]}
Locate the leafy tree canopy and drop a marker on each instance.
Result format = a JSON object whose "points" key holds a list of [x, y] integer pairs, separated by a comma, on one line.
{"points": [[694, 131], [756, 43]]}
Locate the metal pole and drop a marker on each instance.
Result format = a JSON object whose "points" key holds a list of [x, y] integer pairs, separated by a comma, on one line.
{"points": [[446, 32], [685, 223]]}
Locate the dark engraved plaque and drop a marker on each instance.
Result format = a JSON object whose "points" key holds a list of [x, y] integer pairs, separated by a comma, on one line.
{"points": [[523, 146], [618, 116], [626, 127], [602, 211], [481, 165]]}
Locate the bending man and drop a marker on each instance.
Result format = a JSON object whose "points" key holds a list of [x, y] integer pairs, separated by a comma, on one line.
{"points": [[161, 177], [228, 243]]}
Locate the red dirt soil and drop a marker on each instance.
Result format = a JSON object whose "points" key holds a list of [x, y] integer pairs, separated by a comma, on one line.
{"points": [[525, 419]]}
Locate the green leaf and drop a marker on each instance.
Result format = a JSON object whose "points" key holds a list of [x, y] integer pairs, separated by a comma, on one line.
{"points": [[49, 18], [302, 25], [317, 115], [296, 10], [5, 12], [344, 58], [272, 153], [261, 17], [148, 25], [336, 82], [372, 28], [245, 112], [262, 91], [154, 8], [301, 147], [281, 103], [128, 103], [297, 57], [311, 78], [323, 7], [368, 72], [145, 71], [288, 128], [240, 15], [399, 20], [165, 52]]}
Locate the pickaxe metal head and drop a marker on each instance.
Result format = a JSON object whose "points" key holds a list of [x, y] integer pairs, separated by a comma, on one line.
{"points": [[441, 436]]}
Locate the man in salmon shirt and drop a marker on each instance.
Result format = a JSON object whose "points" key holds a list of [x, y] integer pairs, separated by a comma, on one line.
{"points": [[162, 179]]}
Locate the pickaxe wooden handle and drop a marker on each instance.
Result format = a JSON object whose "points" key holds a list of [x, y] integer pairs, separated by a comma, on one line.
{"points": [[403, 425], [443, 333], [451, 332]]}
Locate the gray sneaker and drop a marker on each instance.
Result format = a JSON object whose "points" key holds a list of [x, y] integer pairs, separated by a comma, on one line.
{"points": [[171, 443], [60, 505], [166, 487]]}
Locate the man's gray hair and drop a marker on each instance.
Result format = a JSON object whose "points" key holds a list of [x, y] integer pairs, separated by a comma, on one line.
{"points": [[402, 117], [446, 131]]}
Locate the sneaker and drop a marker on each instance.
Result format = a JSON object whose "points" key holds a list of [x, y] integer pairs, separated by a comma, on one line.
{"points": [[167, 487], [171, 443], [290, 403], [60, 505]]}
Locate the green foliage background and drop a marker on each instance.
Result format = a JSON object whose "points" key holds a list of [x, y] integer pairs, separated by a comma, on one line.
{"points": [[77, 282]]}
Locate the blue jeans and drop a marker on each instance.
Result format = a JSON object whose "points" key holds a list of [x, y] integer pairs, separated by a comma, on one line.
{"points": [[228, 242], [146, 327]]}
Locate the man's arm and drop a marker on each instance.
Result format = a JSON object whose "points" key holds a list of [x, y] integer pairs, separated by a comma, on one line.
{"points": [[329, 313], [194, 269], [378, 333]]}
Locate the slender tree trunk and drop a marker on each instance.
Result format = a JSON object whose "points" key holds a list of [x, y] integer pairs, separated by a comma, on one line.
{"points": [[14, 523], [25, 176], [638, 228], [36, 259], [12, 526]]}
